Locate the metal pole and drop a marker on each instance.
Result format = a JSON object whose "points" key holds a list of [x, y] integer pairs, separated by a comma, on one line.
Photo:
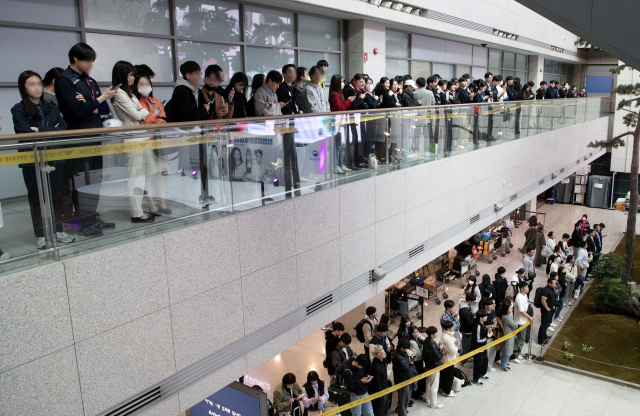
{"points": [[44, 197]]}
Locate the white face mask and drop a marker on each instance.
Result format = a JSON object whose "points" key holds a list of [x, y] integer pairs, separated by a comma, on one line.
{"points": [[145, 91], [342, 85], [369, 87]]}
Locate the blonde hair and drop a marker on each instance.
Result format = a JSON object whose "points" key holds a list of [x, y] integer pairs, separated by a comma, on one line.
{"points": [[376, 350]]}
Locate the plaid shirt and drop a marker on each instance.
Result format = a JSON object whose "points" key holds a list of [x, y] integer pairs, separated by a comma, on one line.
{"points": [[450, 317]]}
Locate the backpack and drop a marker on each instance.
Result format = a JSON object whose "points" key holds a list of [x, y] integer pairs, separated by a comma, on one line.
{"points": [[360, 329], [459, 374], [168, 112], [537, 299]]}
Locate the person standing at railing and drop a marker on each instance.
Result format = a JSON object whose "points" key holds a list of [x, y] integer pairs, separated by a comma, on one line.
{"points": [[338, 103], [408, 100], [372, 101], [142, 89], [142, 163], [213, 94], [550, 93], [314, 98], [359, 127], [541, 93], [583, 93], [34, 114], [288, 94], [81, 104], [527, 92], [423, 125], [239, 83], [50, 85]]}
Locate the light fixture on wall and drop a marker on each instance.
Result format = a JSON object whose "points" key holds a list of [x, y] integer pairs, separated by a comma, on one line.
{"points": [[378, 274], [397, 6], [506, 35], [416, 12], [556, 49], [407, 9], [375, 2], [386, 4]]}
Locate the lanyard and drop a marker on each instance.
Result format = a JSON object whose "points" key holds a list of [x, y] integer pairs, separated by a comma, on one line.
{"points": [[151, 102]]}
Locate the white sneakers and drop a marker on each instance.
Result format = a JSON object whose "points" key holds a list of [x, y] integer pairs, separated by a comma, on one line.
{"points": [[550, 329], [5, 256], [340, 171], [451, 394], [437, 406], [559, 318], [61, 237], [344, 168], [515, 360], [492, 369]]}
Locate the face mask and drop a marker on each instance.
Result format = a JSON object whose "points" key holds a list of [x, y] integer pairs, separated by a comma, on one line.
{"points": [[503, 275], [342, 85], [145, 91], [369, 87]]}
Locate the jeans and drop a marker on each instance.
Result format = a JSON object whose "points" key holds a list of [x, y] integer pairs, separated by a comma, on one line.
{"points": [[544, 325], [365, 407], [339, 155], [559, 309], [579, 283], [504, 360], [491, 353]]}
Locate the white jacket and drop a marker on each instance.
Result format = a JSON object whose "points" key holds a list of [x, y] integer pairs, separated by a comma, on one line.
{"points": [[129, 111]]}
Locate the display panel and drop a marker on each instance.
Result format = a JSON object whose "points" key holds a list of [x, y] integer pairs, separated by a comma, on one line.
{"points": [[233, 400]]}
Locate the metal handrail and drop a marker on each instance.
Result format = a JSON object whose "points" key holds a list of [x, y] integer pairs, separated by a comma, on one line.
{"points": [[42, 136]]}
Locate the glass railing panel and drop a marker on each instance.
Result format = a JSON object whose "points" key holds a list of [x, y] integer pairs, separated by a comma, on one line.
{"points": [[27, 228], [100, 188]]}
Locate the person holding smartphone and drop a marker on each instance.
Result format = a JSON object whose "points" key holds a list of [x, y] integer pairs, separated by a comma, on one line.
{"points": [[357, 382], [287, 394]]}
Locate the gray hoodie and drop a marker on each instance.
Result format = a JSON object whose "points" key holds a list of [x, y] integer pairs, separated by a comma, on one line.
{"points": [[314, 99]]}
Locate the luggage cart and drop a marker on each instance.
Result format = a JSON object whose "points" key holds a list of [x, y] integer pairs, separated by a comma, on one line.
{"points": [[466, 268], [491, 255], [427, 290], [507, 245]]}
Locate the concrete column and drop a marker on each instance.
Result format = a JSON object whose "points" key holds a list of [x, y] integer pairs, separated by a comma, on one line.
{"points": [[364, 36], [536, 70]]}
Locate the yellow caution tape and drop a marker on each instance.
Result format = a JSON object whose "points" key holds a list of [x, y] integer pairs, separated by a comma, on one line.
{"points": [[423, 375]]}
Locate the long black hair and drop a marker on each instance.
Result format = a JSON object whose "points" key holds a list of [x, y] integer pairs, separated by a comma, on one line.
{"points": [[237, 77], [380, 88], [28, 107], [51, 75], [120, 74], [256, 83]]}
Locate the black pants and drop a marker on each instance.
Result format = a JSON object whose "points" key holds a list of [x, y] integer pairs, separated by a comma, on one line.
{"points": [[518, 115], [381, 405], [204, 172], [446, 379], [290, 162], [60, 202], [480, 365], [489, 123], [88, 216], [357, 155], [448, 131], [544, 325]]}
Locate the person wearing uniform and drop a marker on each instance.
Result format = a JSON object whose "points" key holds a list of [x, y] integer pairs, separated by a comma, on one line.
{"points": [[82, 103]]}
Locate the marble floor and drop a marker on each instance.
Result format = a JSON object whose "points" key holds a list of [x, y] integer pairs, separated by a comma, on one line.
{"points": [[531, 389]]}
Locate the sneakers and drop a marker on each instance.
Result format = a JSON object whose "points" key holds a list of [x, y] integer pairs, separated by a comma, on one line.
{"points": [[569, 304], [60, 237], [485, 377], [559, 318], [492, 369], [478, 383], [516, 360], [344, 168], [551, 329], [520, 357], [553, 324], [339, 171], [451, 394], [5, 256], [437, 406]]}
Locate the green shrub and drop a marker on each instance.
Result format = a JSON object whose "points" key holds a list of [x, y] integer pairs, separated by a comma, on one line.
{"points": [[609, 287]]}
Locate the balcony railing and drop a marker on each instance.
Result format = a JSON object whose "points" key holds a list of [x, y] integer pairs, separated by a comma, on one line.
{"points": [[84, 182]]}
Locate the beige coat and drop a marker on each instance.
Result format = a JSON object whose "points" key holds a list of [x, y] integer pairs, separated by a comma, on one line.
{"points": [[129, 111], [449, 349]]}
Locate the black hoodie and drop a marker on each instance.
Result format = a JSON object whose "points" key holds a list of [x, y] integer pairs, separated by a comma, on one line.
{"points": [[331, 342]]}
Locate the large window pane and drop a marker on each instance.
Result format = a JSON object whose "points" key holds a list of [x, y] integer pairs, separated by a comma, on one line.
{"points": [[318, 33], [495, 71], [548, 66], [263, 60], [461, 70], [229, 57], [521, 62], [523, 77], [555, 67], [509, 60], [395, 67], [58, 12], [49, 54], [508, 72], [420, 69], [112, 48], [444, 70], [308, 59], [495, 58], [208, 19], [569, 69], [144, 16], [268, 27], [396, 44], [563, 68]]}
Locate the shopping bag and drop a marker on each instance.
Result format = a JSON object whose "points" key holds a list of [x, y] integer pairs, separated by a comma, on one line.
{"points": [[457, 385], [546, 251], [373, 162]]}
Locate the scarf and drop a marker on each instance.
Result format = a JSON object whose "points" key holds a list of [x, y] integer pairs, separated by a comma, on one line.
{"points": [[356, 88]]}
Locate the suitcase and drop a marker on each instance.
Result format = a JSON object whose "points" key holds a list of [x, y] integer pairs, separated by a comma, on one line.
{"points": [[339, 397]]}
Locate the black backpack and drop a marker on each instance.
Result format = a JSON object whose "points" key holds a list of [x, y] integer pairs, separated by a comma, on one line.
{"points": [[537, 299], [360, 329]]}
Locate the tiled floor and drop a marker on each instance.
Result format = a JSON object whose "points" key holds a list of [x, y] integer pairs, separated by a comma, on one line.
{"points": [[531, 389]]}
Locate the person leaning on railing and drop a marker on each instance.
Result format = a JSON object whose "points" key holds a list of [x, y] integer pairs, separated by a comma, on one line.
{"points": [[337, 102]]}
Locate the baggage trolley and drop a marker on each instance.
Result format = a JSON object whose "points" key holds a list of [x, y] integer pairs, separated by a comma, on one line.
{"points": [[491, 255], [507, 245], [466, 268]]}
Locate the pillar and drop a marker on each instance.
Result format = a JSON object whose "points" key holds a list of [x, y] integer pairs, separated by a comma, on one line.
{"points": [[364, 36], [536, 70]]}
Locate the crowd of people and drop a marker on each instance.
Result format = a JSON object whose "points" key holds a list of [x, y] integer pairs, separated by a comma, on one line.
{"points": [[485, 312], [69, 99]]}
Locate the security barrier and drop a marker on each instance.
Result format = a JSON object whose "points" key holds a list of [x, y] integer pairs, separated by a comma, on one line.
{"points": [[425, 374]]}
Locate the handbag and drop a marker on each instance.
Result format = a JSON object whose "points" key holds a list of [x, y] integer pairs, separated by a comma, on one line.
{"points": [[457, 385], [546, 251], [373, 162]]}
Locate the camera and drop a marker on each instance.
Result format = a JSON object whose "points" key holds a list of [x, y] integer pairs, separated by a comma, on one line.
{"points": [[484, 45]]}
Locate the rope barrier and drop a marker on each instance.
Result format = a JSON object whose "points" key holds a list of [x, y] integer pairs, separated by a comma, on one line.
{"points": [[423, 375]]}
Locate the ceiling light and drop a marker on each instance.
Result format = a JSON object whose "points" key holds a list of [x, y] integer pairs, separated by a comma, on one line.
{"points": [[397, 6], [386, 4], [407, 9], [416, 12], [375, 2]]}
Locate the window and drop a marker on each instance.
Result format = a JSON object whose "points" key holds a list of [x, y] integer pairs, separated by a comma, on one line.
{"points": [[508, 60], [461, 70], [396, 44], [319, 33], [444, 70], [396, 67], [521, 62], [308, 59], [559, 71], [154, 52], [263, 60], [268, 27], [508, 64], [142, 16], [229, 57], [208, 19], [495, 58], [420, 69], [60, 12]]}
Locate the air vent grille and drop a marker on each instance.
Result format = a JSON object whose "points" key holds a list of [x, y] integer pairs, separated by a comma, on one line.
{"points": [[141, 401], [562, 170], [541, 181], [416, 251], [513, 197], [316, 306], [446, 18], [475, 218]]}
